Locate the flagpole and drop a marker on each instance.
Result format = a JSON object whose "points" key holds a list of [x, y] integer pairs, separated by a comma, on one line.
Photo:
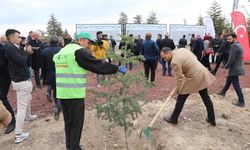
{"points": [[235, 7]]}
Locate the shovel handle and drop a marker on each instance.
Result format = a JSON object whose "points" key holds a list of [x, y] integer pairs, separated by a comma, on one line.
{"points": [[161, 109]]}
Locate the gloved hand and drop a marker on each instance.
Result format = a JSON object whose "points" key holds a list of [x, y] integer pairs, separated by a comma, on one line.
{"points": [[122, 69]]}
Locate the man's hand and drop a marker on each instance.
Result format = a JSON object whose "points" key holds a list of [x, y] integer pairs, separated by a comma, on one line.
{"points": [[122, 69], [28, 49]]}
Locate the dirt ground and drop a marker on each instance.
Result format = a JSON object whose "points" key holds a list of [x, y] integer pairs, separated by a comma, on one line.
{"points": [[192, 132]]}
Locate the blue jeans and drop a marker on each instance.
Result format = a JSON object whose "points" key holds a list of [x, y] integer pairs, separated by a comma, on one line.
{"points": [[235, 81], [164, 68]]}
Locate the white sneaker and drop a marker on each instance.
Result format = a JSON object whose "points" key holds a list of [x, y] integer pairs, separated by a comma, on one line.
{"points": [[20, 138], [31, 118]]}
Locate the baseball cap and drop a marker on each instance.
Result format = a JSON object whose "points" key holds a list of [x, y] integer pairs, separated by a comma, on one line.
{"points": [[85, 35]]}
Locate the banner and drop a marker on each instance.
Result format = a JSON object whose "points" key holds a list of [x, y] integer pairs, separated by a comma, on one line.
{"points": [[109, 29], [142, 29], [240, 28], [208, 22], [176, 31]]}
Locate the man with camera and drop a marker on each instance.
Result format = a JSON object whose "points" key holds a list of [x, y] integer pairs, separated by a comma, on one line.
{"points": [[99, 51]]}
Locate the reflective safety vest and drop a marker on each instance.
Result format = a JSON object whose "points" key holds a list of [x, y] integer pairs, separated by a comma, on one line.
{"points": [[70, 78]]}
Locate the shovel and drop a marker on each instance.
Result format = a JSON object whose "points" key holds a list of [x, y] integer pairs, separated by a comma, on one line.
{"points": [[147, 131]]}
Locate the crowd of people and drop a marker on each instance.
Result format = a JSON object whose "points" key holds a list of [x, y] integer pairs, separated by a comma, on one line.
{"points": [[62, 65]]}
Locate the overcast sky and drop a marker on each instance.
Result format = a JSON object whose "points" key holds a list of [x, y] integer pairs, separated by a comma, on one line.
{"points": [[27, 15]]}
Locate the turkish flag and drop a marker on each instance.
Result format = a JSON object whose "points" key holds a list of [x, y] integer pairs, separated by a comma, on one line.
{"points": [[240, 28]]}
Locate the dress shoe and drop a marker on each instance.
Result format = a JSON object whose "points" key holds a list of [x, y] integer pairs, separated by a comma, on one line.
{"points": [[213, 123], [213, 72], [56, 115], [11, 127], [170, 120], [48, 96], [239, 104], [221, 94]]}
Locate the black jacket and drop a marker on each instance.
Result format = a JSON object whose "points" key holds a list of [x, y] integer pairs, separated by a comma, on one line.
{"points": [[37, 47], [49, 64], [216, 43], [224, 48], [17, 66], [198, 47], [85, 60], [138, 45], [167, 42], [4, 73], [182, 43]]}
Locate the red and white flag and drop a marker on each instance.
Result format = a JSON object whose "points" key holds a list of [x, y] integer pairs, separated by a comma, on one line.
{"points": [[240, 28]]}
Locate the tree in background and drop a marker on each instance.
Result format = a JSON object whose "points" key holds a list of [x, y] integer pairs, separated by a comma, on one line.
{"points": [[123, 20], [44, 35], [215, 12], [65, 33], [54, 27], [138, 19], [200, 21], [152, 19]]}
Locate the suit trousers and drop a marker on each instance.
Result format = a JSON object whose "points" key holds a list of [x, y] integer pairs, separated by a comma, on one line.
{"points": [[150, 66], [181, 99], [37, 76], [236, 84], [23, 92], [3, 97], [219, 59], [73, 113]]}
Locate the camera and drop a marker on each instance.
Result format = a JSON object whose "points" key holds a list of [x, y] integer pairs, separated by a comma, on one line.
{"points": [[99, 42]]}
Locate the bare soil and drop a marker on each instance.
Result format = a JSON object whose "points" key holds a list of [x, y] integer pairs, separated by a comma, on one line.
{"points": [[192, 133]]}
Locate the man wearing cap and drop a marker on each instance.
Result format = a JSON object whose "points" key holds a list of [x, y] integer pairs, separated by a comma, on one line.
{"points": [[72, 63]]}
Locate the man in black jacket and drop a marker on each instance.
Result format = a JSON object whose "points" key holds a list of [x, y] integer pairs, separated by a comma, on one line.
{"points": [[4, 87], [198, 47], [222, 54], [49, 66], [215, 43], [37, 62], [166, 42], [138, 45], [182, 42], [19, 75]]}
